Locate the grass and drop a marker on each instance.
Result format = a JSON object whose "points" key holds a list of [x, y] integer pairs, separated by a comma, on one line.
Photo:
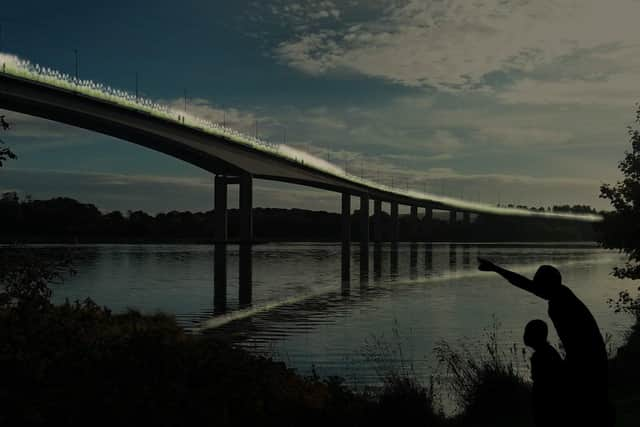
{"points": [[488, 388]]}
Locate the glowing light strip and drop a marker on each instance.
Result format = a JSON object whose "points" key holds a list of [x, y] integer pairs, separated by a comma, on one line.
{"points": [[18, 67]]}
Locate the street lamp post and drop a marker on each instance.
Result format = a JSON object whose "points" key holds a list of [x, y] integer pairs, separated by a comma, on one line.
{"points": [[75, 51], [185, 100]]}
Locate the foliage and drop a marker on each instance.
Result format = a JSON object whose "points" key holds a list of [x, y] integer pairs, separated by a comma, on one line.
{"points": [[621, 227], [489, 389], [5, 152], [26, 273]]}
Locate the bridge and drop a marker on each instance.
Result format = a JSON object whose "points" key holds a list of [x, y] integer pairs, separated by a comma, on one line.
{"points": [[234, 158]]}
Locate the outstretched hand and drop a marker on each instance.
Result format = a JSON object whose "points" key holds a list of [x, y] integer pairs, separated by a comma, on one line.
{"points": [[485, 265]]}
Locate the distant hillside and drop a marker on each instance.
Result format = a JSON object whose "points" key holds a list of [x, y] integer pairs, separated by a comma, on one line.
{"points": [[65, 220]]}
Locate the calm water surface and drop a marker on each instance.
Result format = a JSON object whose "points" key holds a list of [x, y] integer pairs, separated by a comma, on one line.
{"points": [[304, 314]]}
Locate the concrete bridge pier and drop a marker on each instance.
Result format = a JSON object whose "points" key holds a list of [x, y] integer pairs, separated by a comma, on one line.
{"points": [[377, 238], [220, 209], [220, 247], [345, 219], [414, 224], [377, 221], [427, 222], [364, 238], [395, 229], [246, 208]]}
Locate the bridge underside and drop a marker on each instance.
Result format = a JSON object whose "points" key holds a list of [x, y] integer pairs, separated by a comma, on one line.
{"points": [[202, 149]]}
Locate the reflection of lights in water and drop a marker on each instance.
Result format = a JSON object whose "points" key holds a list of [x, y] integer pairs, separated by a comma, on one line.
{"points": [[18, 67]]}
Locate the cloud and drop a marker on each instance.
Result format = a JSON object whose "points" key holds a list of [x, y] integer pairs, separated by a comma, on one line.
{"points": [[443, 142], [25, 126], [456, 44], [622, 90], [303, 11]]}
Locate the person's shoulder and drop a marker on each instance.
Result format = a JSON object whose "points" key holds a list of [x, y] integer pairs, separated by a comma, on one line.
{"points": [[563, 293]]}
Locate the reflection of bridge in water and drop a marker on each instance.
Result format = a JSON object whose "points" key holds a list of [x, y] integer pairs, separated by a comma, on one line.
{"points": [[385, 257], [235, 159]]}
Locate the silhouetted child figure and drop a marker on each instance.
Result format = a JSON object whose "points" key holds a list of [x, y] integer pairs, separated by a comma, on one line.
{"points": [[548, 377]]}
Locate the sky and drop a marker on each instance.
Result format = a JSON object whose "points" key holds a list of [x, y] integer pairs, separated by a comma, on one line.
{"points": [[498, 101]]}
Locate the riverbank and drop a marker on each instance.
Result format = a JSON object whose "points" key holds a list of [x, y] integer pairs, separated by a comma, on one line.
{"points": [[79, 363]]}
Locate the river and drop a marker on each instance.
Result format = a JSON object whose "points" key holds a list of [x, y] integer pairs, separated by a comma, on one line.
{"points": [[303, 313]]}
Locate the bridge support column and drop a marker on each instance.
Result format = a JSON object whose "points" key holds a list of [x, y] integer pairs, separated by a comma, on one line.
{"points": [[345, 219], [220, 209], [364, 220], [377, 221], [427, 223], [452, 217], [364, 240], [346, 243], [466, 218], [246, 208], [414, 223], [428, 215], [394, 222]]}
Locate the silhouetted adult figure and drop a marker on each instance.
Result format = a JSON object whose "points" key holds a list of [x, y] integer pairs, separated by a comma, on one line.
{"points": [[548, 375], [586, 356]]}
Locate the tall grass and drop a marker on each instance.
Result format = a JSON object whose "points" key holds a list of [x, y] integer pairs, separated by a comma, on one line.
{"points": [[402, 398], [490, 387]]}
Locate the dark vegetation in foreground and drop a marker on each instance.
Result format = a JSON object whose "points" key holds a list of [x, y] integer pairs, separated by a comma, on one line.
{"points": [[64, 220], [79, 364]]}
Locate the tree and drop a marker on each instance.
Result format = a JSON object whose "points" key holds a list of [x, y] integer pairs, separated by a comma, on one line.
{"points": [[5, 152], [621, 227]]}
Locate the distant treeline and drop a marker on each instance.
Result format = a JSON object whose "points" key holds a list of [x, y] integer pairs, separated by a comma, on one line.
{"points": [[66, 220], [577, 209]]}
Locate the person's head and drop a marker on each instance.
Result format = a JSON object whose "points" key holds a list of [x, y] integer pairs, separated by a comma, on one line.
{"points": [[535, 333], [547, 279]]}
